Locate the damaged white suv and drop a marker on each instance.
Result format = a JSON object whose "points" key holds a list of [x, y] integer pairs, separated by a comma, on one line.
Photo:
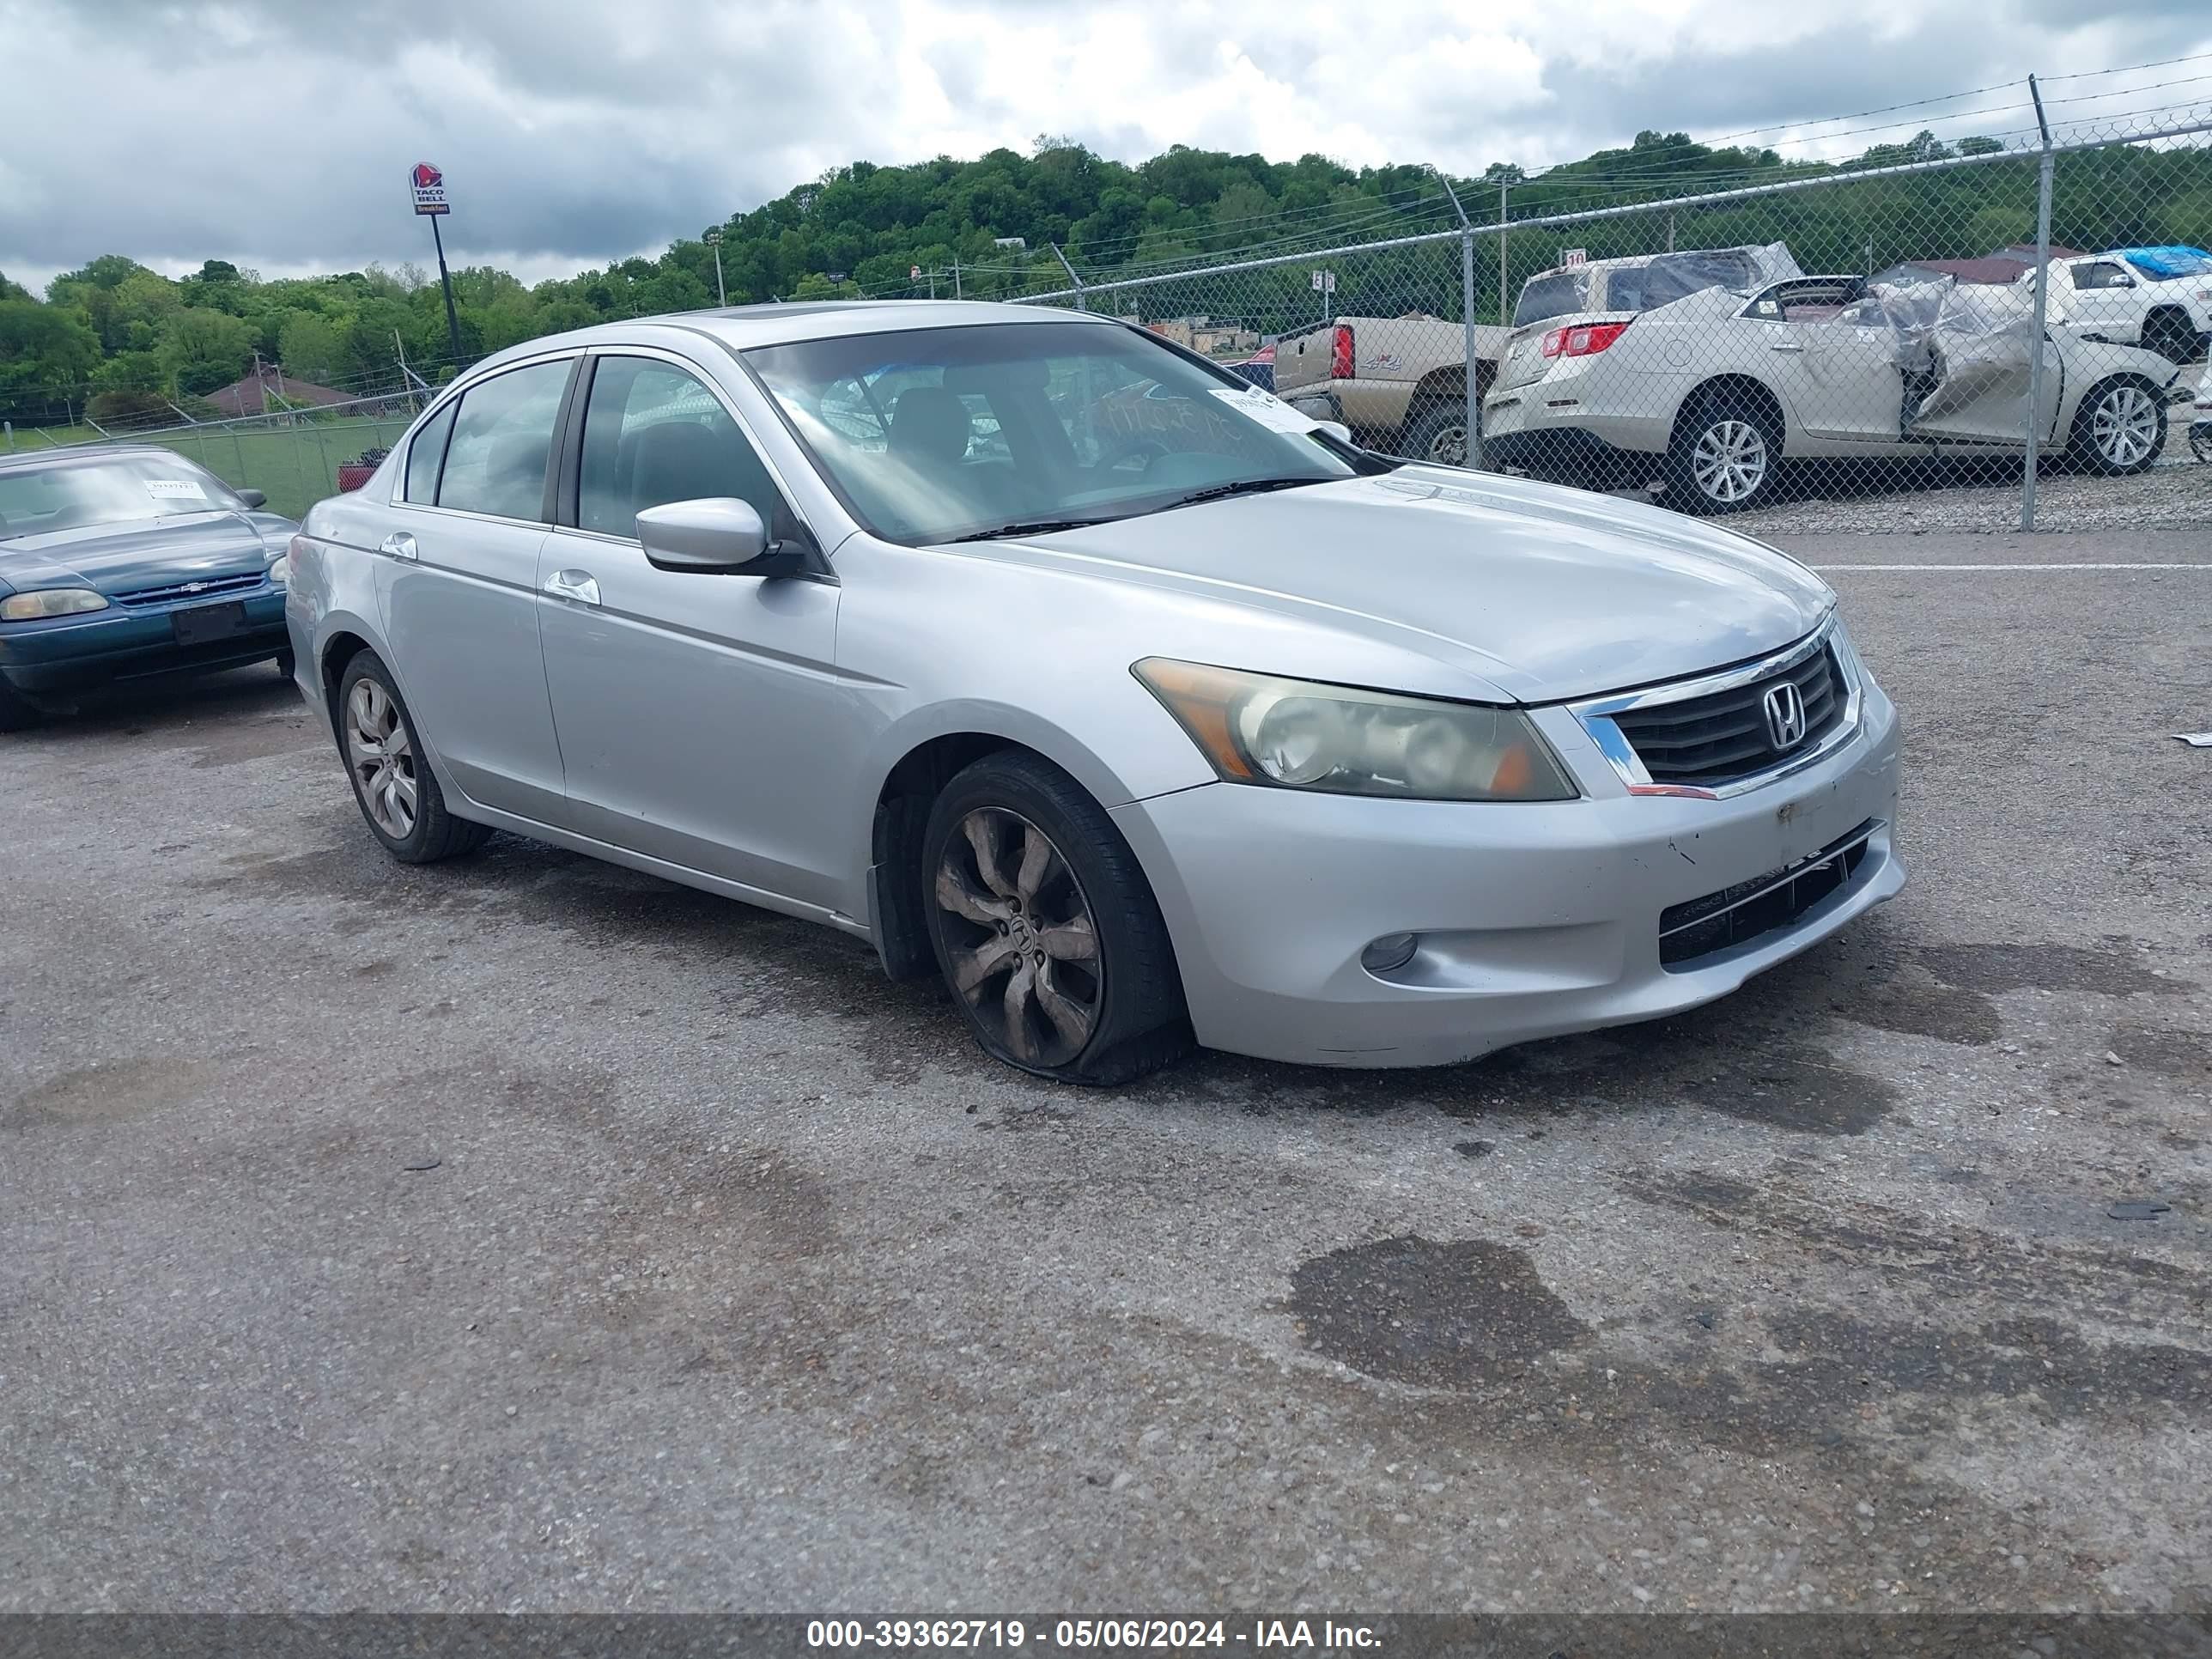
{"points": [[1702, 372]]}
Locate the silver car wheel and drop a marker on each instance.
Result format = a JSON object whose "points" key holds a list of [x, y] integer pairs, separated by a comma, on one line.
{"points": [[2124, 428], [1448, 447], [1022, 945], [1730, 460], [382, 758]]}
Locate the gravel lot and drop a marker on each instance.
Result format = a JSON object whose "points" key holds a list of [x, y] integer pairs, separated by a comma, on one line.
{"points": [[522, 1233]]}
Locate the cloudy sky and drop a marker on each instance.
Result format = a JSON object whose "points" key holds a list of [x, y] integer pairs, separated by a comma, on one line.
{"points": [[276, 133]]}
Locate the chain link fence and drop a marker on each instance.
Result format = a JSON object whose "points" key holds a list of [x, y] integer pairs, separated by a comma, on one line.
{"points": [[2009, 334], [1876, 347]]}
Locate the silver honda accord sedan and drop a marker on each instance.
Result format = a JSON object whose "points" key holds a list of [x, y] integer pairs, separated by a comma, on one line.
{"points": [[1048, 657]]}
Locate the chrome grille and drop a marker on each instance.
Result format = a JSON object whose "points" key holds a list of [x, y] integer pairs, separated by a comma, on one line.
{"points": [[200, 587], [1735, 915], [1703, 741]]}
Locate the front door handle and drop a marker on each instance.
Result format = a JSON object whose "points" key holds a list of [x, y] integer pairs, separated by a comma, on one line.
{"points": [[577, 585], [1783, 345], [400, 545]]}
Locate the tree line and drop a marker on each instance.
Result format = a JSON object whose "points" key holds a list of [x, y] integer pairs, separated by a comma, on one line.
{"points": [[125, 340]]}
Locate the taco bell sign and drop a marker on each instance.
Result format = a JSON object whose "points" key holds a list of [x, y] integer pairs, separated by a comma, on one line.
{"points": [[430, 185]]}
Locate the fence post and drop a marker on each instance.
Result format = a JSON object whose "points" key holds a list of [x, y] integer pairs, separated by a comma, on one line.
{"points": [[1466, 319], [1080, 303], [2042, 313]]}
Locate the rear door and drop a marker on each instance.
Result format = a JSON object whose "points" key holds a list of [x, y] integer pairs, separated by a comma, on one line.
{"points": [[699, 714], [459, 580], [1839, 377]]}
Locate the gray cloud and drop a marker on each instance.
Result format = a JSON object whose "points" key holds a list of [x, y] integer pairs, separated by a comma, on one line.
{"points": [[275, 132]]}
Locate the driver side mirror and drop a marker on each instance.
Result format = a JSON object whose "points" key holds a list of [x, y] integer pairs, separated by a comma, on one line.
{"points": [[718, 535], [252, 498]]}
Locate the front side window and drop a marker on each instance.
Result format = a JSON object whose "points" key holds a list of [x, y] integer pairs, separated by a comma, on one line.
{"points": [[114, 490], [502, 438], [2101, 275], [933, 435], [653, 433]]}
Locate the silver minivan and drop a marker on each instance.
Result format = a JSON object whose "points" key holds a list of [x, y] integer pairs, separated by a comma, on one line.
{"points": [[1051, 658]]}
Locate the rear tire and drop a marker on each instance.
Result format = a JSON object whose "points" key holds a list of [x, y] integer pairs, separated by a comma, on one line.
{"points": [[1045, 928], [395, 788], [2169, 334], [1438, 437], [2119, 427], [1724, 456]]}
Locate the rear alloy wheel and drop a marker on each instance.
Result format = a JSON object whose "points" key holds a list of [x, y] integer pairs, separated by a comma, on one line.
{"points": [[1723, 459], [397, 793], [1043, 926], [2120, 427], [1439, 437]]}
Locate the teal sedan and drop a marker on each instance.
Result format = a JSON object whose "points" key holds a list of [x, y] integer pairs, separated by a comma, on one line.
{"points": [[123, 564]]}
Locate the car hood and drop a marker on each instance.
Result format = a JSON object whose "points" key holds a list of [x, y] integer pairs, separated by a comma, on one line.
{"points": [[118, 558], [1537, 592]]}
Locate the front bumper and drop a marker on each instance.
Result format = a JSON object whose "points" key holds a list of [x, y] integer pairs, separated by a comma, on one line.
{"points": [[79, 654], [1536, 920]]}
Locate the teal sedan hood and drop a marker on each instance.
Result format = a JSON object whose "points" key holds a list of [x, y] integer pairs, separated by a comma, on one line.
{"points": [[124, 558]]}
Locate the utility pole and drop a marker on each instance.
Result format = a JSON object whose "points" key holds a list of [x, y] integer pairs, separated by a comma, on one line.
{"points": [[714, 241], [956, 277], [1080, 303]]}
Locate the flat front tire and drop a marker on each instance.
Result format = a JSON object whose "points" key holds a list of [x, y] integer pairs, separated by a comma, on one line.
{"points": [[397, 791], [1045, 928]]}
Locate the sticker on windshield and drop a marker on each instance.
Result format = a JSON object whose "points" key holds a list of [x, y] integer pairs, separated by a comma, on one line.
{"points": [[1270, 411], [175, 489]]}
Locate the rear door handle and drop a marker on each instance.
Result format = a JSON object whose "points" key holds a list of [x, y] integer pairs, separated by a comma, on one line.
{"points": [[577, 585], [400, 545], [1783, 345]]}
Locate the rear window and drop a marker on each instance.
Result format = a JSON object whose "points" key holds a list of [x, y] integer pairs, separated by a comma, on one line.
{"points": [[1673, 277], [1559, 295]]}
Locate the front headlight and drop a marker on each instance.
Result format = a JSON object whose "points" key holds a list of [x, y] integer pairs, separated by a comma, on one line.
{"points": [[44, 602], [280, 572], [1256, 729]]}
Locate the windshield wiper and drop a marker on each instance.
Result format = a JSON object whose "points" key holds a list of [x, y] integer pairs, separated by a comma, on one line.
{"points": [[1241, 487], [1030, 527]]}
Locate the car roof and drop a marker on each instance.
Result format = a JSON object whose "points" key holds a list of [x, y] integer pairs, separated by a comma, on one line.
{"points": [[741, 328], [23, 460]]}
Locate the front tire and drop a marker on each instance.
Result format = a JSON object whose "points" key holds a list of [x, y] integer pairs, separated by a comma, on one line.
{"points": [[1044, 926], [1724, 457], [2170, 334], [17, 714], [2119, 427], [397, 791]]}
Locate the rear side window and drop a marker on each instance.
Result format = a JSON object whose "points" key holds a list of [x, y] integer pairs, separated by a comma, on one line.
{"points": [[652, 435], [503, 440], [427, 453]]}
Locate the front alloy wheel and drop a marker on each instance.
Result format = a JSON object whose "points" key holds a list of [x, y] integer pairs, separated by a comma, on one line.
{"points": [[2122, 427], [1044, 926], [1020, 937]]}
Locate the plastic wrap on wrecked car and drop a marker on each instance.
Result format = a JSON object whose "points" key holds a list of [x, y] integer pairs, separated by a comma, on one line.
{"points": [[1658, 281], [1939, 318]]}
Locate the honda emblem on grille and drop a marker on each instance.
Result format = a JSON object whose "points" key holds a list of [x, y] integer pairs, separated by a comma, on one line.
{"points": [[1785, 716]]}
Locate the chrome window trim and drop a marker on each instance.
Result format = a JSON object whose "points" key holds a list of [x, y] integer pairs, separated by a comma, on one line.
{"points": [[1595, 715]]}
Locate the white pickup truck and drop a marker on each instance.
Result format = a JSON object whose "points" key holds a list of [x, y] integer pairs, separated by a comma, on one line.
{"points": [[1400, 382]]}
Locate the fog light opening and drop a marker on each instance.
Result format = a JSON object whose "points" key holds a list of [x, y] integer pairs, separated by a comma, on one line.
{"points": [[1389, 953]]}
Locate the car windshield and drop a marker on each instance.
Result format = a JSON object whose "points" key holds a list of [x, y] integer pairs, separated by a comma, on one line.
{"points": [[934, 435], [118, 489]]}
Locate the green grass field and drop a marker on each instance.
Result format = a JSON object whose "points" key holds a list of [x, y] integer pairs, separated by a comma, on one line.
{"points": [[294, 466]]}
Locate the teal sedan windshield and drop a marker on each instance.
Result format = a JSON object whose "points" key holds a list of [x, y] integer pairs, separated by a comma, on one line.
{"points": [[941, 434], [72, 493]]}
